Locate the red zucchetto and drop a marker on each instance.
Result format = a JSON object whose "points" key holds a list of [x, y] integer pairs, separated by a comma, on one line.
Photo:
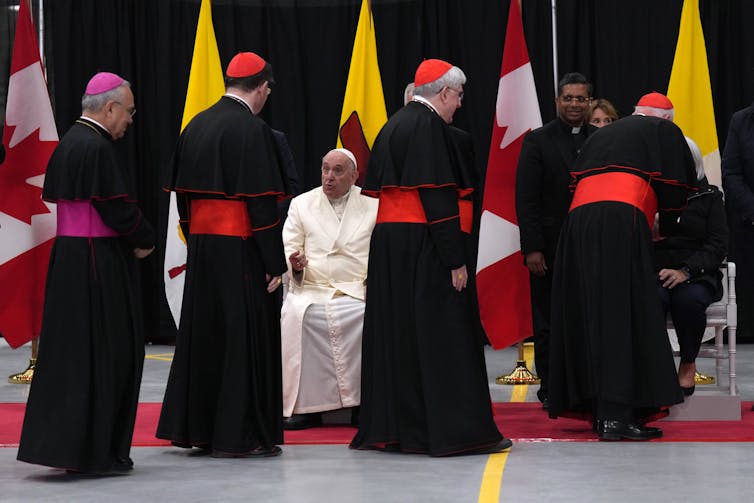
{"points": [[430, 70], [245, 64], [655, 100]]}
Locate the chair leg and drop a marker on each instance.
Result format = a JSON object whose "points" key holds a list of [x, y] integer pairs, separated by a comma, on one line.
{"points": [[719, 354], [732, 359]]}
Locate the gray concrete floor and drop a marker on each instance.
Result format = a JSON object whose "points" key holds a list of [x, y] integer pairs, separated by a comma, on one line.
{"points": [[532, 471]]}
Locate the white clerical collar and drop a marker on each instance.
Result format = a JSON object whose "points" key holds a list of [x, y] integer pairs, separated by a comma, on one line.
{"points": [[424, 101], [239, 99], [340, 200], [339, 204], [95, 122]]}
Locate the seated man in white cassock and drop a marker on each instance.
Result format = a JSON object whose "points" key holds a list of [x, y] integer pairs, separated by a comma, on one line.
{"points": [[326, 238]]}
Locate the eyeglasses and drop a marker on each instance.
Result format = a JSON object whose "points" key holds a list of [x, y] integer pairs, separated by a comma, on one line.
{"points": [[131, 111], [569, 99], [459, 93]]}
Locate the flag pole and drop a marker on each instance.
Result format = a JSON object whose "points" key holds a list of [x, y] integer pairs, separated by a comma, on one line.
{"points": [[27, 375], [554, 8], [521, 374], [40, 34]]}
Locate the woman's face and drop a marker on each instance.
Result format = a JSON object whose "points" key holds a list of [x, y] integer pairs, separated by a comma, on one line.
{"points": [[600, 118]]}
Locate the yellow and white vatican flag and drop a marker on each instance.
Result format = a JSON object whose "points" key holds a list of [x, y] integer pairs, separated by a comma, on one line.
{"points": [[364, 111], [205, 87], [690, 90]]}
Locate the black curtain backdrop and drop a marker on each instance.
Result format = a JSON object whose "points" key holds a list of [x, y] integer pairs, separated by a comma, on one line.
{"points": [[625, 47]]}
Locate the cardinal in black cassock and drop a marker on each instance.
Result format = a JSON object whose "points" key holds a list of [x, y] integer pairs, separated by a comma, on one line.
{"points": [[610, 356], [224, 391], [424, 383]]}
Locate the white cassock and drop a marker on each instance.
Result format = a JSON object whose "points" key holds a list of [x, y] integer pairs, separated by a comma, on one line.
{"points": [[323, 313]]}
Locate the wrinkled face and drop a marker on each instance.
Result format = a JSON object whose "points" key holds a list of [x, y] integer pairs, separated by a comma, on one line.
{"points": [[573, 103], [338, 175], [600, 118], [119, 114], [450, 101]]}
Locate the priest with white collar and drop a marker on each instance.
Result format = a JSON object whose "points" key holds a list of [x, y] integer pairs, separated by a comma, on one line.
{"points": [[326, 238]]}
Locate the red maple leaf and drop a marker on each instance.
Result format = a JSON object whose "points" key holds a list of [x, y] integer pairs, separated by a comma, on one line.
{"points": [[25, 160]]}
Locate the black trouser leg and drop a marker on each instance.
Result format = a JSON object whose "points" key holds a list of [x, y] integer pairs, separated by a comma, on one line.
{"points": [[688, 303], [541, 288], [613, 411]]}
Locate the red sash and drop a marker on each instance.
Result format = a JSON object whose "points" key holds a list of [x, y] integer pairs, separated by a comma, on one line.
{"points": [[617, 186], [220, 216], [404, 205]]}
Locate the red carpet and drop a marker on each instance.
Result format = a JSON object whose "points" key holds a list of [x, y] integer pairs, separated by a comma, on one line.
{"points": [[524, 422]]}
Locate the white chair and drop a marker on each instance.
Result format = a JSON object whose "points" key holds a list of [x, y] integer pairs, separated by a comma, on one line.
{"points": [[720, 315]]}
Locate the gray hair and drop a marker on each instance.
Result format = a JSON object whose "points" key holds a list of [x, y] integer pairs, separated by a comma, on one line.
{"points": [[696, 153], [662, 113], [408, 93], [94, 102], [453, 78]]}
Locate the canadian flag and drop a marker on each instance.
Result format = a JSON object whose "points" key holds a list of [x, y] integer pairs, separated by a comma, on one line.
{"points": [[502, 278], [27, 224]]}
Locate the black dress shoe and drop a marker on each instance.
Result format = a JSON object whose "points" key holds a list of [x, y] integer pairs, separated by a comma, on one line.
{"points": [[652, 430], [610, 429], [597, 425], [545, 403], [504, 444], [688, 391], [188, 445], [259, 452], [302, 421], [123, 465]]}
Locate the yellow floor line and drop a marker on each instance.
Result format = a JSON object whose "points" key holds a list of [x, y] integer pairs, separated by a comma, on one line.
{"points": [[492, 478], [519, 392], [163, 357]]}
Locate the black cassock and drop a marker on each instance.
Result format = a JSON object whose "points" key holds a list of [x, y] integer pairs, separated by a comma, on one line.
{"points": [[82, 405], [609, 342], [224, 388], [424, 383]]}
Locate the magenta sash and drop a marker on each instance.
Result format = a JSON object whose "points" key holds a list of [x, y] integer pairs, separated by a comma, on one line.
{"points": [[80, 219]]}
